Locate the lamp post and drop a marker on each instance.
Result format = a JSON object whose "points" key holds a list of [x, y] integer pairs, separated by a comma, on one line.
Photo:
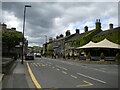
{"points": [[45, 45], [23, 32]]}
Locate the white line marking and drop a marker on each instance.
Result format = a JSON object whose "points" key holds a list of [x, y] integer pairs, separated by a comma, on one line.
{"points": [[58, 69], [91, 78], [61, 67], [100, 70], [73, 76]]}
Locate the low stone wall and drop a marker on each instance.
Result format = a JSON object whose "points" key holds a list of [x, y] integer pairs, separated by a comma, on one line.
{"points": [[7, 64]]}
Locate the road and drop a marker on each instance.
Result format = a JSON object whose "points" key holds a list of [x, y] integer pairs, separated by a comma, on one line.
{"points": [[56, 73]]}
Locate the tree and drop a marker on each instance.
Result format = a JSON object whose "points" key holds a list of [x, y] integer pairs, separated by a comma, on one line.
{"points": [[10, 39]]}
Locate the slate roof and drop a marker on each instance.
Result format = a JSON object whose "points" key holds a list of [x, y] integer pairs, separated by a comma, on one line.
{"points": [[78, 36], [106, 32], [65, 38]]}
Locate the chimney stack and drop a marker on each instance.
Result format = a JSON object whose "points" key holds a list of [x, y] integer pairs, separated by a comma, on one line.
{"points": [[111, 26], [86, 28], [50, 39], [13, 28], [98, 24], [57, 37], [67, 32], [77, 31], [4, 26], [61, 35]]}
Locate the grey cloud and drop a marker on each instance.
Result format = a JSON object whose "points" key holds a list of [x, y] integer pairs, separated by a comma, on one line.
{"points": [[40, 18]]}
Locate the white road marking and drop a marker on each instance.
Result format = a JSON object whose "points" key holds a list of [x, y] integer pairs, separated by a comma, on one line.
{"points": [[73, 76], [91, 78], [58, 69], [100, 70], [61, 67]]}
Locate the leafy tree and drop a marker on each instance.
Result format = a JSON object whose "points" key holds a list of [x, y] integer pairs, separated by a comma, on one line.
{"points": [[10, 39]]}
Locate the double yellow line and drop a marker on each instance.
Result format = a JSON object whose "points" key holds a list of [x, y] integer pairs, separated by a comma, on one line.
{"points": [[33, 77]]}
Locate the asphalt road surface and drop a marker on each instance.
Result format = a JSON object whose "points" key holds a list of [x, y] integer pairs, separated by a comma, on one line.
{"points": [[56, 73]]}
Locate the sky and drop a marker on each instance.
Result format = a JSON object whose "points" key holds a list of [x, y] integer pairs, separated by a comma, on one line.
{"points": [[54, 18]]}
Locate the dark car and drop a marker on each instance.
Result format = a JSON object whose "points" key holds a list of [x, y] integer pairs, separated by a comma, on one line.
{"points": [[29, 56]]}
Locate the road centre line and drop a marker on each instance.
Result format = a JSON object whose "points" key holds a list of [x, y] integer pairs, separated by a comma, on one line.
{"points": [[61, 67], [91, 78], [99, 70], [73, 76], [58, 69], [33, 77]]}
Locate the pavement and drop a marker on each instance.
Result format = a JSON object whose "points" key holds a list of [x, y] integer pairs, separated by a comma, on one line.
{"points": [[17, 77]]}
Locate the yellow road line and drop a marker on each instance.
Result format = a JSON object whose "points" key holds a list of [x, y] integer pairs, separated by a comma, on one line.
{"points": [[33, 77], [85, 85], [64, 72], [73, 76]]}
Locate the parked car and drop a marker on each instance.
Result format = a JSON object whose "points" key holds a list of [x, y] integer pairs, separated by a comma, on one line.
{"points": [[29, 56], [38, 54]]}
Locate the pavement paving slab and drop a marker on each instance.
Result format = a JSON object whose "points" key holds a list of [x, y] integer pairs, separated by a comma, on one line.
{"points": [[17, 78]]}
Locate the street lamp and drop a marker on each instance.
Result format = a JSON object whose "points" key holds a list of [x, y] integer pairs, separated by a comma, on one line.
{"points": [[45, 45], [23, 31]]}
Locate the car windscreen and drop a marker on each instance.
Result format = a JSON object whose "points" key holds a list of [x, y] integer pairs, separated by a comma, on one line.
{"points": [[30, 54]]}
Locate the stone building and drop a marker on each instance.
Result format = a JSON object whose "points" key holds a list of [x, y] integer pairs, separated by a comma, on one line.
{"points": [[67, 45]]}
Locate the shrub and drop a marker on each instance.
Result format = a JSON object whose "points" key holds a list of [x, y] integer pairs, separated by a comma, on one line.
{"points": [[118, 58], [102, 56], [89, 56]]}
